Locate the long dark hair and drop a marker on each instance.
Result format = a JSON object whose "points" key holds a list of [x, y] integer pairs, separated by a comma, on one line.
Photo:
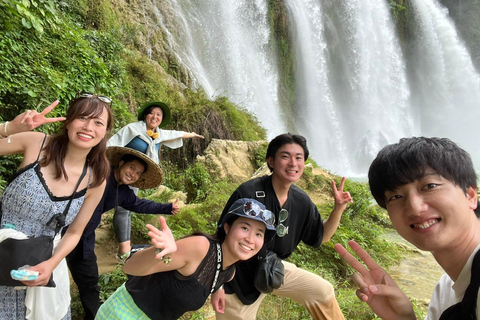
{"points": [[56, 149], [220, 235]]}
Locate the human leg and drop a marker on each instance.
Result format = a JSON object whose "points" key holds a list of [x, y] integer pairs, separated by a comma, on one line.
{"points": [[310, 290], [85, 274], [236, 310], [122, 226]]}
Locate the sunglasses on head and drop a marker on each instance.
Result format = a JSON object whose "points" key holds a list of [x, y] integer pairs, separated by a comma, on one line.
{"points": [[105, 99], [253, 210]]}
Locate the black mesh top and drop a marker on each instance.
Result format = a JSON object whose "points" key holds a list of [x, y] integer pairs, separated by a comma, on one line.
{"points": [[168, 295]]}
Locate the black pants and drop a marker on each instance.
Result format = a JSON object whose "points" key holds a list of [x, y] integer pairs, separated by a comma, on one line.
{"points": [[85, 275]]}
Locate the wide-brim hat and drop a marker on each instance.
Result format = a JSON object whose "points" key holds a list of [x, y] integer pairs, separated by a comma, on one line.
{"points": [[255, 210], [159, 104], [153, 175]]}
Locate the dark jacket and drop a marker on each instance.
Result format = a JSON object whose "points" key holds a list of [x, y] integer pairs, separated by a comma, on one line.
{"points": [[126, 199]]}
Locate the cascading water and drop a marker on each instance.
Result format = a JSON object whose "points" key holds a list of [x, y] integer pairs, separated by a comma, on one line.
{"points": [[356, 90], [348, 120], [225, 43], [445, 85]]}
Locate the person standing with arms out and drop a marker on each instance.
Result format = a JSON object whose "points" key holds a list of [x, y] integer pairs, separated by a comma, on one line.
{"points": [[298, 220], [45, 181], [146, 136], [429, 188], [129, 167]]}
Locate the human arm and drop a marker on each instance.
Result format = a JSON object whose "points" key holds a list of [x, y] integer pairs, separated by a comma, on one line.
{"points": [[376, 286], [186, 254], [218, 300], [188, 135], [71, 237], [175, 207], [342, 199], [175, 142], [24, 122], [132, 202], [29, 120]]}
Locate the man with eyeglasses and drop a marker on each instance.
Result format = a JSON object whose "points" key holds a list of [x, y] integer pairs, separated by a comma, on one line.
{"points": [[297, 219]]}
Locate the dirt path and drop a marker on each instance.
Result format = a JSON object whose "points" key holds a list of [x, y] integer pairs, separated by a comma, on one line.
{"points": [[105, 249]]}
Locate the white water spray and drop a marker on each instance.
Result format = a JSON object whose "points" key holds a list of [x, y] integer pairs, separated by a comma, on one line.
{"points": [[226, 44], [353, 92]]}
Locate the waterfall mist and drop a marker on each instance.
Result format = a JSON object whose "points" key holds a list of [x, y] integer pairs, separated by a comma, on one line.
{"points": [[357, 88]]}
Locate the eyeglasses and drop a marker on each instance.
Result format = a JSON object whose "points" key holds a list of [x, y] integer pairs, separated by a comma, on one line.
{"points": [[253, 210], [90, 95], [282, 230]]}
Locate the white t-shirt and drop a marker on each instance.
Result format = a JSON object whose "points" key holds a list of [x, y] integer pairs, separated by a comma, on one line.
{"points": [[448, 293]]}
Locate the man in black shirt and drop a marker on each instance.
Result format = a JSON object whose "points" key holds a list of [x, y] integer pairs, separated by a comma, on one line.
{"points": [[298, 220]]}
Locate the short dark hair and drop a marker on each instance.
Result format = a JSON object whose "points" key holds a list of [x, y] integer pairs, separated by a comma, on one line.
{"points": [[286, 138], [409, 159], [130, 157]]}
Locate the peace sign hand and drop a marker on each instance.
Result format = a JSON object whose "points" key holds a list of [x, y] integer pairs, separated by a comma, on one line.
{"points": [[31, 119], [376, 286], [342, 198]]}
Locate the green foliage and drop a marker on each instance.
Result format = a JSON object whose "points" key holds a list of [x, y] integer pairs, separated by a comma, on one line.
{"points": [[197, 180], [9, 164], [109, 282], [259, 154], [397, 7], [30, 14]]}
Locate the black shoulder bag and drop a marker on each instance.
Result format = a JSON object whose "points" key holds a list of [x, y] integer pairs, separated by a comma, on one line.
{"points": [[467, 308], [270, 270], [16, 253]]}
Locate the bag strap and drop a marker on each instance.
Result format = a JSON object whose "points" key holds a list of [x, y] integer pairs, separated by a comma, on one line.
{"points": [[259, 192], [60, 218], [219, 266], [466, 309], [260, 195], [41, 148]]}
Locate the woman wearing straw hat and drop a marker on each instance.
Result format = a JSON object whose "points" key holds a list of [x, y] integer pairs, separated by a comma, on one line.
{"points": [[196, 266], [129, 167], [145, 136]]}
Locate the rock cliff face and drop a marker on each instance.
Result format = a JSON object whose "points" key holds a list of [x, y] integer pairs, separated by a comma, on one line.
{"points": [[235, 161], [232, 159]]}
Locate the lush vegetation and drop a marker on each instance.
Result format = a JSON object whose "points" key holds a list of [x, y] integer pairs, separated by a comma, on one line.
{"points": [[361, 221], [51, 49]]}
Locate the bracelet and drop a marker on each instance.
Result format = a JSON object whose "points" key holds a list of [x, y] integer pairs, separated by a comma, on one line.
{"points": [[5, 131]]}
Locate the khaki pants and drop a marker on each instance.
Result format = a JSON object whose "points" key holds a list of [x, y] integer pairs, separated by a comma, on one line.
{"points": [[312, 291]]}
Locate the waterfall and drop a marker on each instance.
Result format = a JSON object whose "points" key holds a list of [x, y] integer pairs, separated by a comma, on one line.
{"points": [[356, 90], [226, 45], [445, 85], [352, 84]]}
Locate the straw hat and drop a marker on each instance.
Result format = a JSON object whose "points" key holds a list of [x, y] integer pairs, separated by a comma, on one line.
{"points": [[159, 104], [153, 175]]}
